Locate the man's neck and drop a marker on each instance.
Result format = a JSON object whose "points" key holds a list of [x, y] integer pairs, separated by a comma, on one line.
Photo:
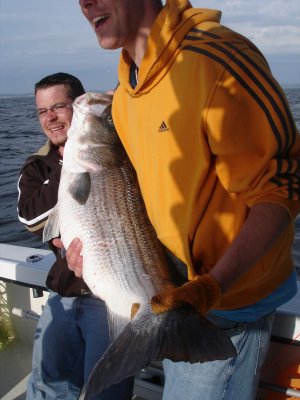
{"points": [[138, 51], [139, 45]]}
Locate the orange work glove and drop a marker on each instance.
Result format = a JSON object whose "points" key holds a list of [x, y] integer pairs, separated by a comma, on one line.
{"points": [[202, 293]]}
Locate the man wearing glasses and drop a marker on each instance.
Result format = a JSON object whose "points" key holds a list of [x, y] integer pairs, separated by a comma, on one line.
{"points": [[72, 332]]}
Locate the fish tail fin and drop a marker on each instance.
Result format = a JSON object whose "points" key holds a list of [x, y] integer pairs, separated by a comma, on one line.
{"points": [[179, 335]]}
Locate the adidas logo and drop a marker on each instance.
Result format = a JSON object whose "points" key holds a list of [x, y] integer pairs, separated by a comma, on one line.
{"points": [[163, 127]]}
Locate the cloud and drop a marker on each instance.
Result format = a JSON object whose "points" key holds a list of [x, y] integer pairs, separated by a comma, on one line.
{"points": [[52, 37], [40, 37], [273, 25]]}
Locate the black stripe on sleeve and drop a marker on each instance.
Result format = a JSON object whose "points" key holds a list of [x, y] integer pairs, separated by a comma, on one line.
{"points": [[264, 75], [234, 73]]}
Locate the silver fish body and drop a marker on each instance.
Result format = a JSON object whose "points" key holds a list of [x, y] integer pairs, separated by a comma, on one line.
{"points": [[100, 202]]}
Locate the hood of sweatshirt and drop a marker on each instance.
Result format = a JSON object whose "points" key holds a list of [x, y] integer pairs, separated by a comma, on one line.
{"points": [[175, 20]]}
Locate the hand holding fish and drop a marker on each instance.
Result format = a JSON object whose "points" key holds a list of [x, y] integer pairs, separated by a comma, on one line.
{"points": [[202, 293], [73, 256]]}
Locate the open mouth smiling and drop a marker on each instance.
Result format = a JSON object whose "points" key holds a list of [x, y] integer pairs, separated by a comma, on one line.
{"points": [[55, 129], [97, 21]]}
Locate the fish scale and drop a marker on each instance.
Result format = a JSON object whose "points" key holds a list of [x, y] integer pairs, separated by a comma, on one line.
{"points": [[124, 263], [111, 188]]}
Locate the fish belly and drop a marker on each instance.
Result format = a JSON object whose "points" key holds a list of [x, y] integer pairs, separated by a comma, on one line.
{"points": [[121, 253]]}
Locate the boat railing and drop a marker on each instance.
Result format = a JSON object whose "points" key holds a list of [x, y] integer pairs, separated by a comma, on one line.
{"points": [[28, 268]]}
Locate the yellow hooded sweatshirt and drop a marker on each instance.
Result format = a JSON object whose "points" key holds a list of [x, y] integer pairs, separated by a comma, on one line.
{"points": [[210, 134]]}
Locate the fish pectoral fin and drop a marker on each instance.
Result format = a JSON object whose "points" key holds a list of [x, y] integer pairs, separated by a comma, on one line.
{"points": [[51, 229], [80, 187]]}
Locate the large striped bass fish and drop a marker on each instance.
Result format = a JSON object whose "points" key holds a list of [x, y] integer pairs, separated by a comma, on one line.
{"points": [[124, 263]]}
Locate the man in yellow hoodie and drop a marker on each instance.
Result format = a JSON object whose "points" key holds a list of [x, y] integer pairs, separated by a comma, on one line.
{"points": [[216, 151]]}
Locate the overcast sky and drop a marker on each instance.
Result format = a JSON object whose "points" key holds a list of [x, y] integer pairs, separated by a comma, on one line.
{"points": [[39, 37]]}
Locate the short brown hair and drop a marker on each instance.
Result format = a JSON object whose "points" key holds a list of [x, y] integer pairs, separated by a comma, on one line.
{"points": [[72, 83]]}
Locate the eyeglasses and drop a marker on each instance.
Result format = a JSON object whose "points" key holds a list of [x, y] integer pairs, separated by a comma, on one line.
{"points": [[58, 108]]}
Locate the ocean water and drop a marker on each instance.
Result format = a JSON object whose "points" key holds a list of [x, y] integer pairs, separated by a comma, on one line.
{"points": [[20, 136]]}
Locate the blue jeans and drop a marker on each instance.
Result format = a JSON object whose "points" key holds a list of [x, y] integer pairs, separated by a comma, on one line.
{"points": [[233, 379], [71, 335]]}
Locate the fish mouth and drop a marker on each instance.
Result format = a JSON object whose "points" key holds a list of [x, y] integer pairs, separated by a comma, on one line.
{"points": [[90, 103], [97, 21]]}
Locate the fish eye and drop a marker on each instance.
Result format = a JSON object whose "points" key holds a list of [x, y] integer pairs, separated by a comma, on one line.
{"points": [[110, 119]]}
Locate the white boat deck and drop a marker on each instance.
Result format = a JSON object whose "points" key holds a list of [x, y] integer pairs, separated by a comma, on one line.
{"points": [[18, 274]]}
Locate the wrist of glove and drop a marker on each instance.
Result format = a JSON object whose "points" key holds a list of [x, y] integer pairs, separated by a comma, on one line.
{"points": [[202, 293]]}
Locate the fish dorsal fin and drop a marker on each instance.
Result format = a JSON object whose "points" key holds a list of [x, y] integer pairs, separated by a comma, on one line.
{"points": [[80, 187], [51, 229]]}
